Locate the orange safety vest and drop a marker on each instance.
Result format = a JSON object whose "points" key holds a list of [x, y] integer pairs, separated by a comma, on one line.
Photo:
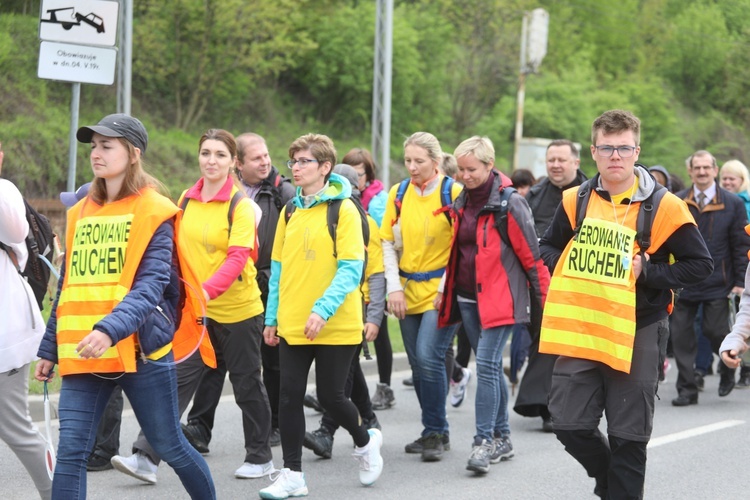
{"points": [[104, 247], [590, 307]]}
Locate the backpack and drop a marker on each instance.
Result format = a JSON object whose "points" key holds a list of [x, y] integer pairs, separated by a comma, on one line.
{"points": [[446, 187], [332, 220], [645, 213], [278, 180], [501, 216], [40, 245], [236, 197]]}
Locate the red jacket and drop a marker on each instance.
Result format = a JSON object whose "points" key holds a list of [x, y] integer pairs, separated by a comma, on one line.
{"points": [[505, 276]]}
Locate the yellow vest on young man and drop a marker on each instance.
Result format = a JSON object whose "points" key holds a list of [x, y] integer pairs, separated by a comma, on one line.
{"points": [[591, 304]]}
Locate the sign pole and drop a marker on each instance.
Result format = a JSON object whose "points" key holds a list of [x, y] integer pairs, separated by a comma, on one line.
{"points": [[75, 103]]}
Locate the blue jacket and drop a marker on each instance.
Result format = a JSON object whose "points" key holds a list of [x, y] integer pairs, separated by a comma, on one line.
{"points": [[149, 308], [722, 224]]}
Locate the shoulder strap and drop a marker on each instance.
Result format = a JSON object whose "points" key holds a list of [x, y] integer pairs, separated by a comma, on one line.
{"points": [[332, 219], [184, 203], [400, 192], [446, 188], [582, 203], [289, 210], [646, 216], [501, 216], [232, 205]]}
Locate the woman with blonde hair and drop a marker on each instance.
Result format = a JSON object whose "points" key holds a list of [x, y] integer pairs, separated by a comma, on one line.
{"points": [[735, 178]]}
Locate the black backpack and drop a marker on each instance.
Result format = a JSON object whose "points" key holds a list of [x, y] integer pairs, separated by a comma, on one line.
{"points": [[40, 244], [646, 212], [332, 219]]}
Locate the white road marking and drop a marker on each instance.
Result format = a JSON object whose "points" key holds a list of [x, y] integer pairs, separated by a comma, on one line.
{"points": [[696, 431]]}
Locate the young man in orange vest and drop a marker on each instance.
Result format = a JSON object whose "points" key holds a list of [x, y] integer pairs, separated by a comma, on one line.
{"points": [[607, 307]]}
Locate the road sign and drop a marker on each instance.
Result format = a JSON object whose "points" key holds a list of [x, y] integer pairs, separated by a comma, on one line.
{"points": [[87, 22], [77, 63]]}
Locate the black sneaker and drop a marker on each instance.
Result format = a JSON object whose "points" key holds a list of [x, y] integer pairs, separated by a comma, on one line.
{"points": [[726, 382], [275, 438], [311, 401], [409, 382], [372, 423], [383, 397], [744, 381], [432, 447], [97, 463], [195, 437], [479, 461], [699, 382], [320, 441], [416, 445]]}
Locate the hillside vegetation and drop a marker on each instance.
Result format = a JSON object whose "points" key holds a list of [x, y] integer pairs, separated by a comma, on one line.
{"points": [[282, 68]]}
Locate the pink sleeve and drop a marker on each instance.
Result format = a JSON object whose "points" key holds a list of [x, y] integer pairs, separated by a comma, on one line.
{"points": [[228, 272]]}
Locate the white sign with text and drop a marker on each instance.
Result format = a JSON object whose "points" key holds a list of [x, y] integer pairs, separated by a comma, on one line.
{"points": [[77, 63], [88, 22]]}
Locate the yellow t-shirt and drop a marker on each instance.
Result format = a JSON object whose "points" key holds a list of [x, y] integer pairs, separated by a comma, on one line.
{"points": [[203, 241], [426, 241], [305, 250], [374, 256]]}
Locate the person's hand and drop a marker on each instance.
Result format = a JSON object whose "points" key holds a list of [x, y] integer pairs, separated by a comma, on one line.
{"points": [[738, 290], [270, 337], [45, 370], [437, 300], [397, 304], [93, 345], [371, 331], [314, 325], [638, 264], [731, 358]]}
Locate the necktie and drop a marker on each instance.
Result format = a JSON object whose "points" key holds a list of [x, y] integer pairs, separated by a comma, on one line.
{"points": [[701, 200]]}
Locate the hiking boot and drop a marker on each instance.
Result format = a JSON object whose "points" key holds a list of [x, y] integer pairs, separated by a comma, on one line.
{"points": [[311, 401], [370, 460], [416, 446], [685, 400], [458, 389], [254, 471], [409, 382], [288, 483], [372, 423], [97, 463], [432, 447], [479, 460], [275, 438], [196, 437], [503, 450], [137, 465], [320, 441], [383, 397]]}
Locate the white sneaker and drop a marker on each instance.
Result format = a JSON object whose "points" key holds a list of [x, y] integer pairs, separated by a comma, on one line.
{"points": [[288, 483], [254, 471], [370, 461], [458, 389], [137, 465]]}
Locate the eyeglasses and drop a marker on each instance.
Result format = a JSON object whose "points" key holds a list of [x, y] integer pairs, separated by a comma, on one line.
{"points": [[623, 151], [303, 162]]}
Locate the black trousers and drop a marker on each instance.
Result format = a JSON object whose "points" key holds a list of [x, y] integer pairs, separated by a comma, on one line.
{"points": [[332, 366], [715, 327], [384, 353], [356, 390]]}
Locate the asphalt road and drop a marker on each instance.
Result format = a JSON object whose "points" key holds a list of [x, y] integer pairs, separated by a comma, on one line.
{"points": [[696, 452]]}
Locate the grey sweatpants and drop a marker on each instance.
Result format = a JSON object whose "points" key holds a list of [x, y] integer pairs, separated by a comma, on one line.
{"points": [[19, 432]]}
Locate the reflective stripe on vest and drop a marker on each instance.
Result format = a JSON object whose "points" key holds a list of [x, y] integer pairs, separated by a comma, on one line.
{"points": [[103, 253]]}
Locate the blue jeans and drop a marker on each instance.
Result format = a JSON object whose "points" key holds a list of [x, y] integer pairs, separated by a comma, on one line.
{"points": [[425, 346], [491, 404], [152, 392]]}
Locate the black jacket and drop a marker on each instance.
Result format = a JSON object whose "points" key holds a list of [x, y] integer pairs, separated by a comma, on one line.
{"points": [[722, 224], [543, 199]]}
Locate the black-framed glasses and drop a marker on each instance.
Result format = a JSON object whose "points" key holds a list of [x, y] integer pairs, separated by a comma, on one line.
{"points": [[303, 162], [623, 151]]}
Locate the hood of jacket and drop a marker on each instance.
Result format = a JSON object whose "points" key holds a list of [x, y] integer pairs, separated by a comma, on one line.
{"points": [[337, 188], [646, 183]]}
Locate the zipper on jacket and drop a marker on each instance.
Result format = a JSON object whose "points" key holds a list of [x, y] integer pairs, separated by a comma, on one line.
{"points": [[161, 311]]}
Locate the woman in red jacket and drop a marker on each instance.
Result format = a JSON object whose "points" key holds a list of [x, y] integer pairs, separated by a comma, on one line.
{"points": [[489, 278]]}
